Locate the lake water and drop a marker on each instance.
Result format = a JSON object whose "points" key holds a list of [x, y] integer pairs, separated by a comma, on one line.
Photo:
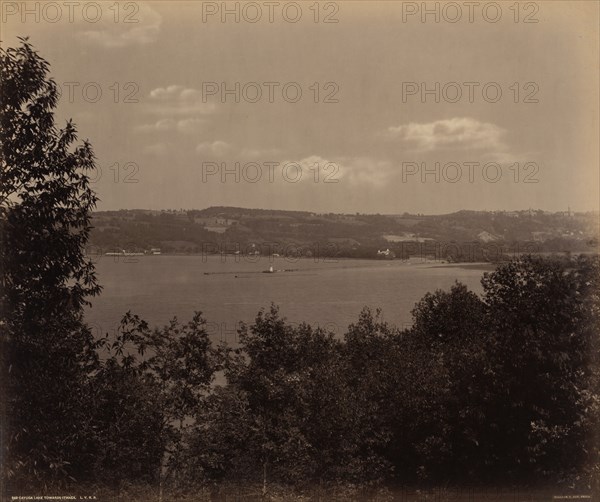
{"points": [[230, 290]]}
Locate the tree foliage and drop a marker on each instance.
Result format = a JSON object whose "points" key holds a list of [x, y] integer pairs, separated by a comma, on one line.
{"points": [[46, 279]]}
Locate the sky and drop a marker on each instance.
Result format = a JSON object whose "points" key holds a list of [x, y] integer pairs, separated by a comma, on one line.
{"points": [[349, 106]]}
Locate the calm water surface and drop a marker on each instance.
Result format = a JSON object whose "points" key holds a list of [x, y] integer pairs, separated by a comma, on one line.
{"points": [[229, 290]]}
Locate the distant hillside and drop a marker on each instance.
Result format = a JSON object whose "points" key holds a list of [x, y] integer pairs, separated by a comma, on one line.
{"points": [[460, 236]]}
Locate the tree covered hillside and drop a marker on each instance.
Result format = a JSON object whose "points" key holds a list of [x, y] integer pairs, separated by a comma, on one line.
{"points": [[477, 235]]}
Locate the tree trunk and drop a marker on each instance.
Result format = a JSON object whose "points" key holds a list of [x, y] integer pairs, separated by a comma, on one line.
{"points": [[264, 487], [160, 481]]}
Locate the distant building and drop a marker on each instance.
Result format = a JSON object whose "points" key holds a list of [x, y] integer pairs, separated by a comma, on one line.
{"points": [[387, 254], [487, 236]]}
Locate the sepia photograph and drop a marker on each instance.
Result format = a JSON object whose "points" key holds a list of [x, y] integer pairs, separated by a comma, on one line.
{"points": [[301, 250]]}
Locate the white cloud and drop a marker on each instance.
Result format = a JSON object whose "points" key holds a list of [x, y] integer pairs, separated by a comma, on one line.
{"points": [[138, 24], [170, 92], [459, 133], [182, 110], [158, 126], [366, 171], [191, 125], [215, 148], [178, 100], [355, 171], [185, 126]]}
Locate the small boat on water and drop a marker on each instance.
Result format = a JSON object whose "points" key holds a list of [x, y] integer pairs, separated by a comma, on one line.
{"points": [[124, 253], [270, 271]]}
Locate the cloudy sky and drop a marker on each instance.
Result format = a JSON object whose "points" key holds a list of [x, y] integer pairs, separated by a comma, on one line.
{"points": [[380, 109]]}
